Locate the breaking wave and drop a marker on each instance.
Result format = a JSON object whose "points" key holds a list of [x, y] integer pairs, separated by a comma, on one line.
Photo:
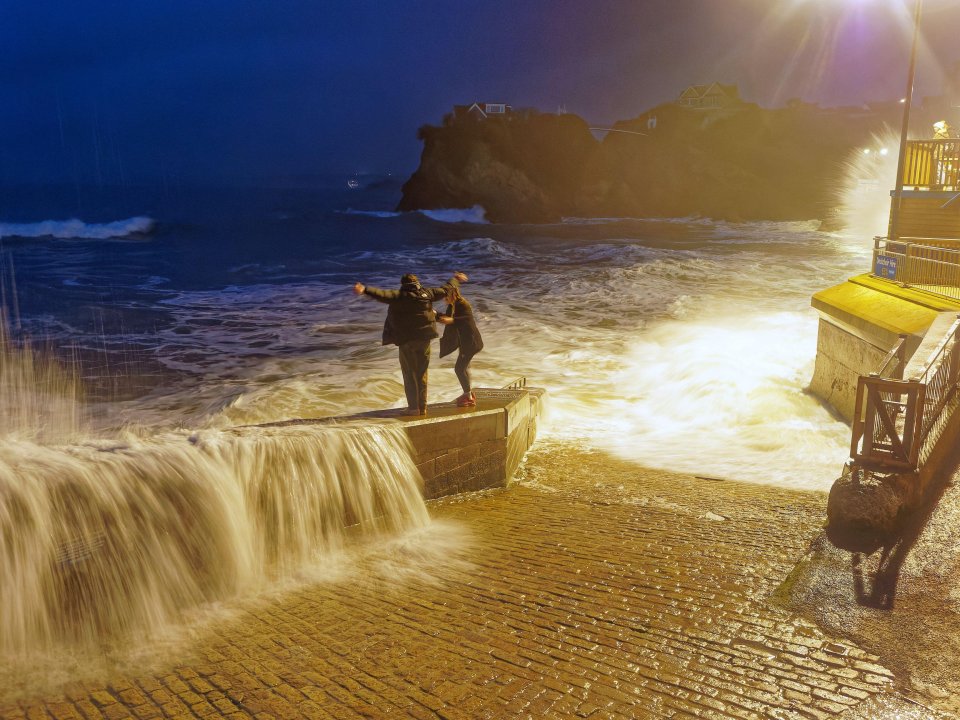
{"points": [[475, 215], [74, 229]]}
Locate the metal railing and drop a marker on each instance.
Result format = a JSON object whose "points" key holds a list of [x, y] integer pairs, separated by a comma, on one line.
{"points": [[897, 422], [518, 384], [934, 269], [932, 164], [939, 378], [892, 365]]}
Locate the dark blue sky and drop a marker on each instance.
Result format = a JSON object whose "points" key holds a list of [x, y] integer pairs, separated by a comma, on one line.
{"points": [[243, 91]]}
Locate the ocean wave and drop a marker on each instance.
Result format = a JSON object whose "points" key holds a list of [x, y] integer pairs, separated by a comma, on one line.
{"points": [[475, 215], [720, 227], [373, 213], [614, 220], [74, 229], [479, 248]]}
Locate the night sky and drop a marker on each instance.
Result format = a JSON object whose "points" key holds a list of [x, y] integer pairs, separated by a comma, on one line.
{"points": [[248, 92]]}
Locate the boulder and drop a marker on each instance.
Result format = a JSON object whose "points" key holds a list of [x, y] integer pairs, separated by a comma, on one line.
{"points": [[864, 509]]}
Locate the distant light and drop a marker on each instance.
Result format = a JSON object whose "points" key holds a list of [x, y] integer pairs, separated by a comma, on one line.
{"points": [[902, 100], [866, 151], [883, 151]]}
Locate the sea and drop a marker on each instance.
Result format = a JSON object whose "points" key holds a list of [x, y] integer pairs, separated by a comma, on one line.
{"points": [[148, 331], [683, 344]]}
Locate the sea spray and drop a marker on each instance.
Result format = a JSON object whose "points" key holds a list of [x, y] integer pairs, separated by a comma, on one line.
{"points": [[104, 540], [870, 173], [40, 398]]}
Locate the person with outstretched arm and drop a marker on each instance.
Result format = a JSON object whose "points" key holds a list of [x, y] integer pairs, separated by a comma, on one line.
{"points": [[411, 325], [461, 333]]}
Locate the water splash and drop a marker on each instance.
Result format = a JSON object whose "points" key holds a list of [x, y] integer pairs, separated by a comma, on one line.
{"points": [[870, 174], [40, 398], [106, 540], [721, 396]]}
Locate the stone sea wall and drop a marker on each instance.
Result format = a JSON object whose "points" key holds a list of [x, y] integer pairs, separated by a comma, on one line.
{"points": [[476, 450]]}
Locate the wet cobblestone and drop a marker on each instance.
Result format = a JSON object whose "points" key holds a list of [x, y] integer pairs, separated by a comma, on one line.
{"points": [[590, 589]]}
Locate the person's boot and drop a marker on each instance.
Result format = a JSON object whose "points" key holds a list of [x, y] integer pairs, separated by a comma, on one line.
{"points": [[467, 400]]}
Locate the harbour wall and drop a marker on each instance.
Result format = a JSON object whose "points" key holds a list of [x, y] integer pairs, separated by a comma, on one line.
{"points": [[479, 449], [460, 450], [860, 322]]}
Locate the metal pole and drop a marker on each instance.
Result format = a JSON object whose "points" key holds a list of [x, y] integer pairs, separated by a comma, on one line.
{"points": [[894, 229]]}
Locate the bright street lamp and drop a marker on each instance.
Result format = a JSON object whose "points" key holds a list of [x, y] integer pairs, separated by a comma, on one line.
{"points": [[894, 229]]}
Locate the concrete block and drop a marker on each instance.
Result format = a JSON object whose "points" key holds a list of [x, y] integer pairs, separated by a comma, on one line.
{"points": [[842, 358], [516, 448], [517, 413], [426, 469], [445, 433], [469, 453], [493, 456], [447, 462], [459, 451]]}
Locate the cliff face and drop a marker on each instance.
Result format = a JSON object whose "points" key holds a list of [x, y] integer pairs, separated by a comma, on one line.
{"points": [[520, 169], [740, 164]]}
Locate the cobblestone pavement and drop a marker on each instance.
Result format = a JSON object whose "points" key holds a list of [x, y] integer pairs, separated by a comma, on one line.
{"points": [[590, 589]]}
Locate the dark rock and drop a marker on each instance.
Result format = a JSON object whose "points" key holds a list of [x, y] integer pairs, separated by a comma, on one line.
{"points": [[863, 509], [738, 164]]}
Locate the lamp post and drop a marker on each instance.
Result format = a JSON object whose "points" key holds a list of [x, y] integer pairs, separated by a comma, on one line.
{"points": [[893, 231]]}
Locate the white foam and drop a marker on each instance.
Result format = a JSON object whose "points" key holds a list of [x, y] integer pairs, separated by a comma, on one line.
{"points": [[475, 215], [79, 230], [373, 213]]}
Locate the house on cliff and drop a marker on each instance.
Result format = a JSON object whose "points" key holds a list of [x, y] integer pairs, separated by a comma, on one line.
{"points": [[481, 111], [710, 97]]}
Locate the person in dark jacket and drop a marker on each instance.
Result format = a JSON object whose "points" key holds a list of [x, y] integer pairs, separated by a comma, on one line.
{"points": [[461, 332], [411, 325]]}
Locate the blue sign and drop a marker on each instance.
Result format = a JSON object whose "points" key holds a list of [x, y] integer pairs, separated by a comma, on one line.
{"points": [[885, 267]]}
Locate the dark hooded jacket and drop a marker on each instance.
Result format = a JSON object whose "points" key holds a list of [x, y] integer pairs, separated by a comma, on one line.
{"points": [[410, 315], [464, 333]]}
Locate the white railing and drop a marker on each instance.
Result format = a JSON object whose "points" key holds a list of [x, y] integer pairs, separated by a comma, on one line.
{"points": [[924, 267]]}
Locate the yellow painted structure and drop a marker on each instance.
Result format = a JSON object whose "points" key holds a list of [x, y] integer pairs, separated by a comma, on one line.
{"points": [[930, 216], [860, 322]]}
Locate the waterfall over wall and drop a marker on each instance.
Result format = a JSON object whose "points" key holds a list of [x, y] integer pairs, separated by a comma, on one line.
{"points": [[106, 539]]}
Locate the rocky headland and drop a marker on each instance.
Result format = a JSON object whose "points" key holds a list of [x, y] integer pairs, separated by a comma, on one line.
{"points": [[740, 163]]}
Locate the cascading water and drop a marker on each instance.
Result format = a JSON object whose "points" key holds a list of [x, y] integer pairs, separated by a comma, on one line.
{"points": [[108, 539]]}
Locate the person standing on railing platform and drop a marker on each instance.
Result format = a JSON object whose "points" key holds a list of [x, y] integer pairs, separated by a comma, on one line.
{"points": [[461, 333], [411, 325]]}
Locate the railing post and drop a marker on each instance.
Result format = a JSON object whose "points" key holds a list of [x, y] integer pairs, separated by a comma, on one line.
{"points": [[955, 358], [901, 357]]}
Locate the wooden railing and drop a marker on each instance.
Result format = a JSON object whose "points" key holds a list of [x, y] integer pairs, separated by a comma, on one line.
{"points": [[932, 164], [896, 422]]}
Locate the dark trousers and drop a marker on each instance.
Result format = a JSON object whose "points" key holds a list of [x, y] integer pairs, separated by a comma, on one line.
{"points": [[414, 361], [462, 369]]}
